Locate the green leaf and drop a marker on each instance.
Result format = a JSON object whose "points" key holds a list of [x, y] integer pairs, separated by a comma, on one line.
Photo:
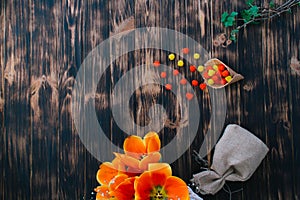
{"points": [[272, 4], [249, 2], [224, 17], [254, 11]]}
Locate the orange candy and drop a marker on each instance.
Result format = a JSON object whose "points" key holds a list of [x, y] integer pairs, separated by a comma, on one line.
{"points": [[185, 50], [175, 72], [183, 81], [168, 86], [156, 63], [163, 74], [189, 95], [195, 83]]}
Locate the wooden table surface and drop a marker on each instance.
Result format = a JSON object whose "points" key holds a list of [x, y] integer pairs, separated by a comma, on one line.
{"points": [[44, 42]]}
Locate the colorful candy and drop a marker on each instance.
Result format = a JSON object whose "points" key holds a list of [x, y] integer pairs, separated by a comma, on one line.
{"points": [[163, 74], [171, 56], [175, 72], [168, 86], [195, 83], [193, 68], [202, 86], [189, 95], [196, 56], [200, 68], [185, 50], [156, 63], [180, 63]]}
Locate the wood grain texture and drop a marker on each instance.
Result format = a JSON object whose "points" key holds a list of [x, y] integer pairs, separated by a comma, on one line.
{"points": [[43, 44]]}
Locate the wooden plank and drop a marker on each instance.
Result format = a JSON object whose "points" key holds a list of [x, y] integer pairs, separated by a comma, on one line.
{"points": [[16, 130], [44, 97]]}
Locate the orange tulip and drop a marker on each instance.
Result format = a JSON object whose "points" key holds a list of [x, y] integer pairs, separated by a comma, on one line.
{"points": [[157, 183], [125, 190], [140, 152]]}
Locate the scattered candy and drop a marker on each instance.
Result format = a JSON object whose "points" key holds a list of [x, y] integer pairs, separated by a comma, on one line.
{"points": [[210, 81], [156, 63], [195, 83], [200, 68], [171, 56], [193, 68], [189, 95], [175, 72], [215, 67], [163, 74], [196, 56], [185, 50], [168, 86], [180, 63], [228, 78], [211, 72], [202, 86], [183, 81], [223, 81], [216, 78], [225, 73]]}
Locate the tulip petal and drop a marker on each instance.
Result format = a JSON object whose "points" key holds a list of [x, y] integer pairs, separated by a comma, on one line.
{"points": [[102, 192], [116, 181], [125, 190], [176, 188], [134, 146], [106, 173], [151, 158], [128, 160], [163, 168], [152, 142]]}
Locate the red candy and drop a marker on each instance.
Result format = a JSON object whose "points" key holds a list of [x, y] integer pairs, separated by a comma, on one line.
{"points": [[156, 63], [202, 86], [163, 74], [193, 68], [185, 50], [168, 86], [175, 72], [195, 83], [221, 67], [225, 73]]}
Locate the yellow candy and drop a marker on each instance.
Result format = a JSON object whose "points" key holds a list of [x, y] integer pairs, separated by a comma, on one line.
{"points": [[228, 78], [180, 63], [216, 67], [171, 56], [211, 72], [196, 56], [200, 68], [210, 81]]}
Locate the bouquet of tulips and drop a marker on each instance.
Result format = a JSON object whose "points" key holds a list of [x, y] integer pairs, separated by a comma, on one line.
{"points": [[137, 174]]}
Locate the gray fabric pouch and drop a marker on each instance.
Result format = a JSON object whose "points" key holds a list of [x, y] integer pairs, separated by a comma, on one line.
{"points": [[237, 155]]}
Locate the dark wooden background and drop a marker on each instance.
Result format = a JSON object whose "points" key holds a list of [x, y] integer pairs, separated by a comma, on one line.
{"points": [[43, 43]]}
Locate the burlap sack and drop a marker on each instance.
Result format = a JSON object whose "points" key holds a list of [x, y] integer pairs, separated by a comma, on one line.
{"points": [[237, 155]]}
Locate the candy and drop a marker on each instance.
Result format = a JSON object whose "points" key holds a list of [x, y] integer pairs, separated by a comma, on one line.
{"points": [[209, 68], [185, 50], [228, 78], [225, 73], [193, 68], [189, 95], [196, 56], [156, 63], [205, 75], [195, 83], [180, 63], [202, 86], [163, 74], [221, 67], [215, 78], [211, 72], [210, 81], [215, 67], [171, 56], [223, 81], [183, 81], [168, 86], [175, 72], [200, 68]]}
